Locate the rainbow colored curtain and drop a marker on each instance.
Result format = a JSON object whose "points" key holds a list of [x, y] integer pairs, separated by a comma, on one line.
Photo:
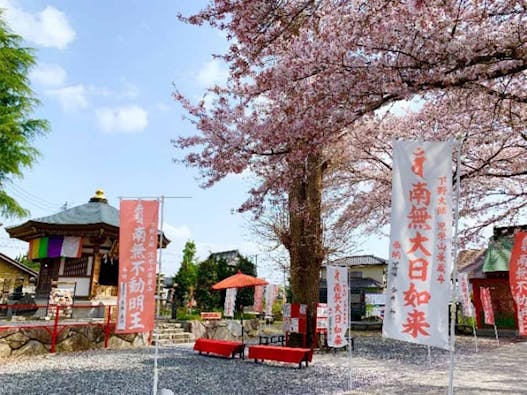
{"points": [[55, 247]]}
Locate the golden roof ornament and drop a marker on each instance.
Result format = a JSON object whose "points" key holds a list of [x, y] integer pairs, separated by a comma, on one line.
{"points": [[99, 197]]}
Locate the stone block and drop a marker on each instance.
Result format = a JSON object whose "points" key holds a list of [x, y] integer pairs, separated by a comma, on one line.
{"points": [[16, 340], [75, 342], [32, 347], [5, 350], [118, 342]]}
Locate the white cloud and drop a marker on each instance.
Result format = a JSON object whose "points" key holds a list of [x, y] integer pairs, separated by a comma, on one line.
{"points": [[71, 97], [47, 28], [212, 73], [177, 233], [48, 74], [122, 119], [163, 107]]}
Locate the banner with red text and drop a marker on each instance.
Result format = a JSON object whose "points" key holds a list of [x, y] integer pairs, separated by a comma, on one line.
{"points": [[518, 280], [230, 302], [258, 298], [271, 292], [138, 237], [464, 292], [420, 261], [337, 306], [486, 302]]}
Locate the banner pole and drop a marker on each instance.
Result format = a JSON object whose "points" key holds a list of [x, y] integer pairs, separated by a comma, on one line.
{"points": [[349, 329], [496, 334], [158, 296], [429, 356], [453, 300], [474, 326]]}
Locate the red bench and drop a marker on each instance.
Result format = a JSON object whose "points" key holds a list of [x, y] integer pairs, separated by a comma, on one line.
{"points": [[281, 354], [227, 348]]}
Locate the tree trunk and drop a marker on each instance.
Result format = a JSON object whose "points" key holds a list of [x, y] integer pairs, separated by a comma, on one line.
{"points": [[306, 249]]}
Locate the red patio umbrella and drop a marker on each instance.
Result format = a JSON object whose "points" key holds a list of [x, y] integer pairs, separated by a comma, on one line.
{"points": [[239, 280]]}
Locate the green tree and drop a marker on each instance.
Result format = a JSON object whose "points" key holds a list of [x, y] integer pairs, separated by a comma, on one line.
{"points": [[207, 298], [17, 127], [26, 262], [245, 296], [187, 273]]}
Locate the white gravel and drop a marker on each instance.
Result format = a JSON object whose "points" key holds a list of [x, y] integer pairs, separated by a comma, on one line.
{"points": [[377, 367]]}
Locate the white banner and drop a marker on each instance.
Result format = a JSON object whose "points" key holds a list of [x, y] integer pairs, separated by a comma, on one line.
{"points": [[420, 262], [338, 307], [230, 302], [464, 292], [271, 291]]}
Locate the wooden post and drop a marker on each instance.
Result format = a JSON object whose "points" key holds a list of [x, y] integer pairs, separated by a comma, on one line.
{"points": [[96, 271]]}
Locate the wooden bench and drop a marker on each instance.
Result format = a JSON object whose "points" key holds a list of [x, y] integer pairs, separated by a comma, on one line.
{"points": [[226, 348], [281, 354], [210, 315]]}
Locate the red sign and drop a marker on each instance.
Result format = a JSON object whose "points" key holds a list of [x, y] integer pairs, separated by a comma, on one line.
{"points": [[518, 279], [486, 302], [138, 235]]}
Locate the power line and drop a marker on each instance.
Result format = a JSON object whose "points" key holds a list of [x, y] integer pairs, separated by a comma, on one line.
{"points": [[31, 199]]}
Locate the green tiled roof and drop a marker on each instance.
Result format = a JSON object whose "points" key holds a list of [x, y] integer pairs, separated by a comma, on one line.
{"points": [[89, 213], [498, 255]]}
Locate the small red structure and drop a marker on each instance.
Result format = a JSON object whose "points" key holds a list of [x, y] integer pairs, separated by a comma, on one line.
{"points": [[295, 320]]}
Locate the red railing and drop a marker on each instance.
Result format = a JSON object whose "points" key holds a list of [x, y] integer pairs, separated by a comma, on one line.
{"points": [[59, 323]]}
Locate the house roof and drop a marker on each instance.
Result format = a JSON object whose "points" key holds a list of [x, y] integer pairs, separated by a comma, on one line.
{"points": [[230, 257], [18, 265], [358, 260], [471, 262]]}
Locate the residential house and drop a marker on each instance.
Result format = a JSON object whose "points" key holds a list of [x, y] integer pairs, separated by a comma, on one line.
{"points": [[367, 276], [15, 276]]}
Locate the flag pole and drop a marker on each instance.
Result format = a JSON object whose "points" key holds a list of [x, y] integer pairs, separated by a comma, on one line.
{"points": [[158, 301], [453, 299]]}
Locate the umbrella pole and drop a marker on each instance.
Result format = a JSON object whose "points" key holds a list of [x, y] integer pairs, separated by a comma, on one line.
{"points": [[241, 309]]}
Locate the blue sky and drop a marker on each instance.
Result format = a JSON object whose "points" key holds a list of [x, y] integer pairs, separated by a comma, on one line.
{"points": [[105, 76]]}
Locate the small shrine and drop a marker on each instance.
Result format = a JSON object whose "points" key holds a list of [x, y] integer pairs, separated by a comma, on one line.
{"points": [[78, 249]]}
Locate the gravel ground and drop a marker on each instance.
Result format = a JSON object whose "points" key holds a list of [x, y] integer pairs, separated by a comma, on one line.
{"points": [[377, 367]]}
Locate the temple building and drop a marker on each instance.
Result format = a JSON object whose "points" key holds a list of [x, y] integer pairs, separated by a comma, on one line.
{"points": [[77, 248], [489, 267]]}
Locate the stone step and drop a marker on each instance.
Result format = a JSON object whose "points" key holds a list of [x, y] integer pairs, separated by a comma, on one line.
{"points": [[170, 325], [173, 335], [174, 330], [184, 338]]}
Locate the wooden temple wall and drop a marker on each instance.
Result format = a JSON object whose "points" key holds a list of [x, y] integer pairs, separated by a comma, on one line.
{"points": [[79, 274]]}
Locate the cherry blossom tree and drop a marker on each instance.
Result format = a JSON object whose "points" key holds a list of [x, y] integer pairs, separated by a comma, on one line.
{"points": [[306, 107]]}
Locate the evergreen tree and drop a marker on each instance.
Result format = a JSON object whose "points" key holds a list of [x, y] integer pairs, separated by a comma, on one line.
{"points": [[245, 296], [187, 274], [17, 127], [207, 298]]}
